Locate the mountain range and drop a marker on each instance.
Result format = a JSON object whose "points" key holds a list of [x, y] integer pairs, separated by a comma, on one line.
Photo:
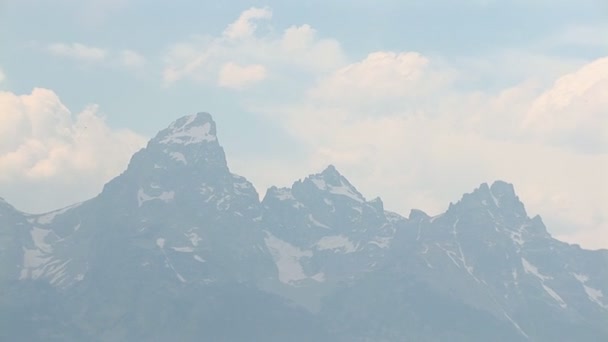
{"points": [[178, 248]]}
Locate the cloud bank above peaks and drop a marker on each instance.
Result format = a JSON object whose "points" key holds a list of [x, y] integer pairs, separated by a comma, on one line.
{"points": [[382, 78], [401, 125], [573, 111], [45, 149], [244, 49], [416, 126]]}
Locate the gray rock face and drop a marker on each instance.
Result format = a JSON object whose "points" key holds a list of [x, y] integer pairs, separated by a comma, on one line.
{"points": [[179, 248]]}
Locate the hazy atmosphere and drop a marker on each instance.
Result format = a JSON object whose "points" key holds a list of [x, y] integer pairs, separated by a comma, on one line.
{"points": [[345, 171], [414, 102]]}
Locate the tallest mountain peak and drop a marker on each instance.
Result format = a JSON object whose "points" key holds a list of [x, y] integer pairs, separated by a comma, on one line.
{"points": [[191, 129], [190, 141]]}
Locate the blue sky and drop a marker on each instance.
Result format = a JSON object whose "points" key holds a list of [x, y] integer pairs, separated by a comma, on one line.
{"points": [[415, 102]]}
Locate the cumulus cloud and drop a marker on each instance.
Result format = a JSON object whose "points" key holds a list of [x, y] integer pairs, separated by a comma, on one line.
{"points": [[63, 158], [380, 79], [420, 131], [428, 155], [301, 46], [201, 58], [78, 51], [573, 111], [245, 25], [235, 76]]}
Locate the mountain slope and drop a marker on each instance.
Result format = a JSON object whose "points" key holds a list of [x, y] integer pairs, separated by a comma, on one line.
{"points": [[484, 256]]}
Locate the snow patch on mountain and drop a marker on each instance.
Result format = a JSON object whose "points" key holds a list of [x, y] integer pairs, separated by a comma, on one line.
{"points": [[496, 202], [283, 194], [193, 237], [240, 185], [287, 259], [39, 238], [317, 223], [187, 134], [56, 271], [342, 189], [555, 296], [33, 261], [347, 191], [581, 277], [160, 242], [185, 249], [516, 237], [39, 262], [178, 156], [165, 196], [593, 294], [337, 243], [533, 270], [381, 241], [319, 183]]}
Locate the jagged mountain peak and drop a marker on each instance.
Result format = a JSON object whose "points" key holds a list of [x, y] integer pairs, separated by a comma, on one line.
{"points": [[417, 214], [328, 182], [331, 181], [177, 227], [377, 203], [493, 210], [331, 171], [501, 188], [188, 142], [191, 129], [183, 161], [500, 197], [280, 193], [330, 176], [5, 206]]}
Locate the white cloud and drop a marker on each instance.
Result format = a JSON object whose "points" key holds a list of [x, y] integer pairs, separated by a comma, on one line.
{"points": [[63, 158], [127, 58], [300, 46], [380, 79], [78, 51], [237, 77], [428, 155], [201, 58], [573, 111], [132, 59], [245, 25], [2, 75]]}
